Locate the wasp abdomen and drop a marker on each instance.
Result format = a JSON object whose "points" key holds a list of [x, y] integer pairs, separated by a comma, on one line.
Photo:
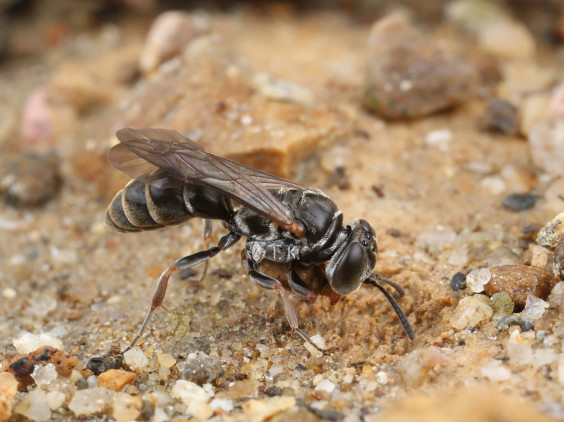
{"points": [[140, 207]]}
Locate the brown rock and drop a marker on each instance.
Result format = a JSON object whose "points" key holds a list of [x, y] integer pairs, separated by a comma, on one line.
{"points": [[209, 96], [22, 367], [170, 33], [239, 389], [29, 180], [115, 379], [519, 281], [410, 75], [8, 390]]}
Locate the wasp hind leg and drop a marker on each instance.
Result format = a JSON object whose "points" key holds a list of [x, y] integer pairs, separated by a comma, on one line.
{"points": [[270, 283], [181, 264]]}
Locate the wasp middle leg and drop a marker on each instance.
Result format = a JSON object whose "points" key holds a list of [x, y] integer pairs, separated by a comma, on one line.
{"points": [[182, 264]]}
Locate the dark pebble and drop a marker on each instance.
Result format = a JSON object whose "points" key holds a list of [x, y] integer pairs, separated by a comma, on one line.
{"points": [[501, 356], [203, 369], [520, 201], [500, 116], [558, 260], [510, 320], [339, 179], [187, 273], [300, 367], [29, 180], [81, 384], [458, 281], [393, 232], [526, 325], [273, 391], [104, 363], [222, 273], [328, 415]]}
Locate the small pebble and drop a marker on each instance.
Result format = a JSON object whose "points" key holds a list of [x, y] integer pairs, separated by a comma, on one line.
{"points": [[29, 180], [55, 399], [166, 360], [23, 367], [126, 407], [278, 89], [500, 116], [9, 293], [511, 320], [37, 119], [471, 311], [261, 410], [519, 201], [495, 372], [8, 390], [552, 234], [518, 349], [519, 281], [91, 401], [200, 368], [545, 145], [539, 256], [532, 109], [477, 279], [502, 304], [440, 138], [31, 342], [255, 369], [135, 358], [273, 391], [115, 379], [558, 261], [240, 389], [540, 335], [34, 406], [170, 33], [44, 374], [104, 363], [502, 255], [543, 357], [194, 397], [325, 385], [221, 404], [458, 281], [506, 39], [416, 366], [534, 308]]}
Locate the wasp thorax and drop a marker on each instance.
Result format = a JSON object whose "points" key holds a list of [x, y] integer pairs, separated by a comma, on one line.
{"points": [[353, 262]]}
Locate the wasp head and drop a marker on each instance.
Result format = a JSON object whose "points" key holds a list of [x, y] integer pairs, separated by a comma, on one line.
{"points": [[353, 261]]}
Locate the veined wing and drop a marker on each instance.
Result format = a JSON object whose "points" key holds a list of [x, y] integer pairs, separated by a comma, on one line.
{"points": [[165, 158]]}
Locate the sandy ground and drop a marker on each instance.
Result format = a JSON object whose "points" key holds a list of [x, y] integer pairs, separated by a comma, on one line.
{"points": [[63, 273]]}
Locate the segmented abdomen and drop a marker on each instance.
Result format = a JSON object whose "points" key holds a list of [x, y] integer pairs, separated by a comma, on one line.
{"points": [[140, 207]]}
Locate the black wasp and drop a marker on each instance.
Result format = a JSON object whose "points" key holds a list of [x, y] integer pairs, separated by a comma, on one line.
{"points": [[296, 240]]}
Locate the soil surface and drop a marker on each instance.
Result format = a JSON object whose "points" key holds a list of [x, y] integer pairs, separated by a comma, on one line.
{"points": [[433, 187]]}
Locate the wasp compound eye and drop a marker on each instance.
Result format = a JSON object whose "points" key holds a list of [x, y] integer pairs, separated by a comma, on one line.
{"points": [[350, 270]]}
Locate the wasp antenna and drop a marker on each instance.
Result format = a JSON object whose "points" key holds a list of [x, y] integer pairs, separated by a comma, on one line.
{"points": [[400, 291], [373, 282]]}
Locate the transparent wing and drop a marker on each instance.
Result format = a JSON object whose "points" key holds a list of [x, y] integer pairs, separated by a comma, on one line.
{"points": [[166, 158]]}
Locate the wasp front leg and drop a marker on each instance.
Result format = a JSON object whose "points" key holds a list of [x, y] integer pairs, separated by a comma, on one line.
{"points": [[270, 283]]}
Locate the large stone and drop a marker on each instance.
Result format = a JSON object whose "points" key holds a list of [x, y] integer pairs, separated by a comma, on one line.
{"points": [[410, 75]]}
